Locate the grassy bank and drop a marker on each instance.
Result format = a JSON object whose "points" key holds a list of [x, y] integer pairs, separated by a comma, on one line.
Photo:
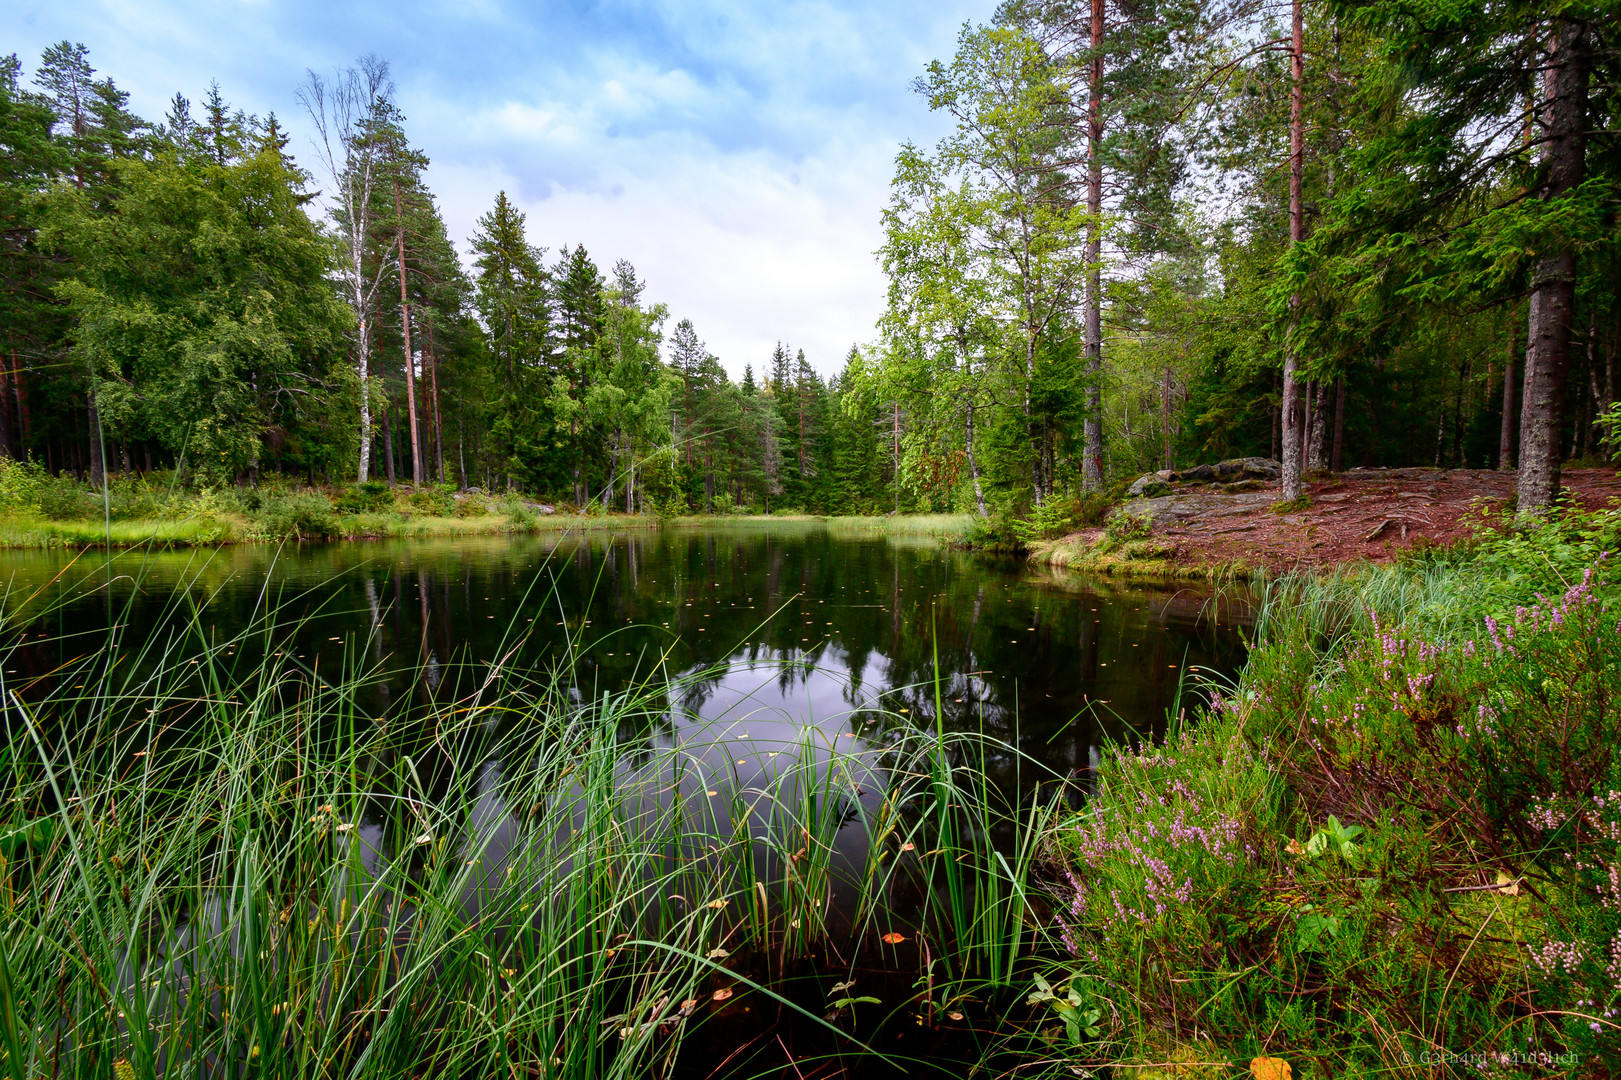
{"points": [[40, 510], [1390, 850], [1135, 559], [221, 861]]}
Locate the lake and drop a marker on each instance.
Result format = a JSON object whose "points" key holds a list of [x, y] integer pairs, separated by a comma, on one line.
{"points": [[764, 627], [749, 742]]}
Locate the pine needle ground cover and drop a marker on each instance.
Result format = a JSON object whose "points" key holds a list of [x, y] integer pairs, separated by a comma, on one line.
{"points": [[1391, 849]]}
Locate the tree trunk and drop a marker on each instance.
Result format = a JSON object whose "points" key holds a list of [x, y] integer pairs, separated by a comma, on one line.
{"points": [[405, 330], [1274, 426], [1542, 414], [8, 437], [973, 463], [19, 386], [1291, 463], [388, 440], [1336, 458], [898, 457], [438, 421], [1166, 402], [1317, 459], [1505, 435], [98, 467], [1092, 320]]}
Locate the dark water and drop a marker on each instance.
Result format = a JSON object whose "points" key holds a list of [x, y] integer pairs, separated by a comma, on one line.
{"points": [[776, 627]]}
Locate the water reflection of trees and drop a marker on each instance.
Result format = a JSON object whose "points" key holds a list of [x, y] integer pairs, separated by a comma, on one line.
{"points": [[1048, 665]]}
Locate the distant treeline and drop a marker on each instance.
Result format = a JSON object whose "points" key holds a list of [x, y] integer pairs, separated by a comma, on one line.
{"points": [[1351, 233], [174, 293]]}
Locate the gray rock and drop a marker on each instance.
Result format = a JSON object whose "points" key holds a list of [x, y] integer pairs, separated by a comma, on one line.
{"points": [[1201, 505], [1202, 473], [1248, 468], [1148, 485]]}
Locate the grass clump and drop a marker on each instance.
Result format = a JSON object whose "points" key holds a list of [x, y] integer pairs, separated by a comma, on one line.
{"points": [[1395, 841], [1291, 506], [223, 858]]}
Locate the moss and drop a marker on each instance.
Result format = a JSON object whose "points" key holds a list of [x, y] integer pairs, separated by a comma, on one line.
{"points": [[1136, 559]]}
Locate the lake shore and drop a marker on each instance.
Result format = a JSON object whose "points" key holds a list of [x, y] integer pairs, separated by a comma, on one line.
{"points": [[1396, 828], [207, 529]]}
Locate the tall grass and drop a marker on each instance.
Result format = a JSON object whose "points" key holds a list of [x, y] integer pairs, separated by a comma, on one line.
{"points": [[223, 860], [1389, 849]]}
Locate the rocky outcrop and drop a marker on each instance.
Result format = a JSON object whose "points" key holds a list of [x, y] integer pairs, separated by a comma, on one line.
{"points": [[1147, 486], [1247, 470]]}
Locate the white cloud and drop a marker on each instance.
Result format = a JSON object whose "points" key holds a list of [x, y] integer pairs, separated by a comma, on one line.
{"points": [[738, 153]]}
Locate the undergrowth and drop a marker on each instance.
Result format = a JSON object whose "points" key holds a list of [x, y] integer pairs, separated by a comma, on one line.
{"points": [[1392, 848]]}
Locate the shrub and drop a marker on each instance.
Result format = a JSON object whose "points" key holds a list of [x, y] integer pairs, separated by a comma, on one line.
{"points": [[999, 533], [64, 498], [438, 501], [132, 497], [1123, 528], [372, 497], [1399, 823], [471, 505], [518, 511], [306, 516]]}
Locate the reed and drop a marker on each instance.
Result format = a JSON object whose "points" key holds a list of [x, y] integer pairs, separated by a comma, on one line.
{"points": [[221, 858]]}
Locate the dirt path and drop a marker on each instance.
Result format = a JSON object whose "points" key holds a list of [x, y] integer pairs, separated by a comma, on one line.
{"points": [[1362, 514]]}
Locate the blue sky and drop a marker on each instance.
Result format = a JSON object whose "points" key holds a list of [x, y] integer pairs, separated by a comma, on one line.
{"points": [[739, 154]]}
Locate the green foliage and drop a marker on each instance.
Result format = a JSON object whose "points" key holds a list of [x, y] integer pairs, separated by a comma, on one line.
{"points": [[371, 497], [1000, 534], [518, 512], [438, 501], [1123, 527], [1407, 802], [299, 516], [472, 505]]}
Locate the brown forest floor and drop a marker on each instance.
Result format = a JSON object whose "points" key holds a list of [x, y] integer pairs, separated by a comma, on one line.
{"points": [[1362, 514]]}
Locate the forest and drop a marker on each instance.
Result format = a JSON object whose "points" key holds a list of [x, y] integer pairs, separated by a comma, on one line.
{"points": [[1336, 234]]}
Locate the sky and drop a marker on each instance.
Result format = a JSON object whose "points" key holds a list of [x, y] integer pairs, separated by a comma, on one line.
{"points": [[737, 153]]}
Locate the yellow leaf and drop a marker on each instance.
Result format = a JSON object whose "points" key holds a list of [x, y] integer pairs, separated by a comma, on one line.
{"points": [[1509, 886], [1265, 1068], [893, 939]]}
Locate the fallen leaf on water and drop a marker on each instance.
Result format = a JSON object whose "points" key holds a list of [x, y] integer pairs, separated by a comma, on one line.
{"points": [[893, 939], [1265, 1068], [908, 847], [954, 1015], [721, 995], [688, 1005], [718, 954], [717, 904]]}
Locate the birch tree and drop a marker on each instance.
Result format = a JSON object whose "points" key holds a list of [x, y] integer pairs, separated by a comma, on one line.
{"points": [[345, 110]]}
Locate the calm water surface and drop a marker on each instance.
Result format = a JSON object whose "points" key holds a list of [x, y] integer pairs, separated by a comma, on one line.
{"points": [[766, 628], [775, 656]]}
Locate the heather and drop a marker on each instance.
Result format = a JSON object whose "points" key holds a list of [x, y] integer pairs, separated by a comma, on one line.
{"points": [[1390, 847]]}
